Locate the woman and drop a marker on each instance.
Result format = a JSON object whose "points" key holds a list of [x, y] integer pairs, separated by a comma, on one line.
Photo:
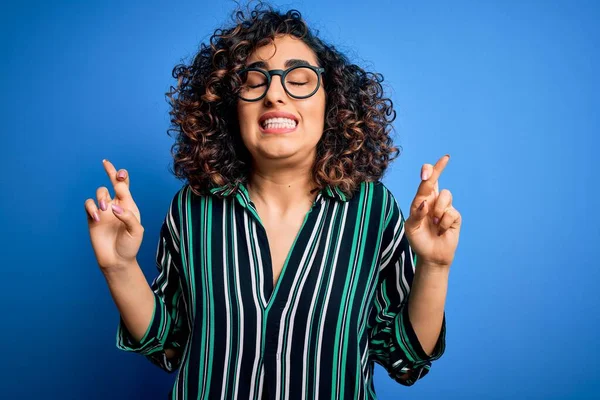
{"points": [[284, 264]]}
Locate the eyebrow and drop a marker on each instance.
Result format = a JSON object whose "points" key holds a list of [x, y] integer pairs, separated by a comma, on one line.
{"points": [[294, 62]]}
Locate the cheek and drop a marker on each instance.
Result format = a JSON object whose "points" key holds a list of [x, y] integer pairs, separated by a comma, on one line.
{"points": [[245, 119], [316, 110]]}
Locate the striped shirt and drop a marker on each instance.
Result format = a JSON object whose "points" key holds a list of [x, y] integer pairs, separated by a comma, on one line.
{"points": [[339, 305]]}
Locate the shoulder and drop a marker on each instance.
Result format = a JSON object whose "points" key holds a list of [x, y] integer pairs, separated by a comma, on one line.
{"points": [[370, 190], [180, 203], [378, 194], [389, 204], [185, 196], [376, 199], [180, 197]]}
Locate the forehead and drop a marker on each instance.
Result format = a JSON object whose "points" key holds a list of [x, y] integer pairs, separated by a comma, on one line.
{"points": [[281, 49]]}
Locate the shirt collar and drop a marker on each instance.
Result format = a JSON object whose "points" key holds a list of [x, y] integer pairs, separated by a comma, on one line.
{"points": [[332, 192]]}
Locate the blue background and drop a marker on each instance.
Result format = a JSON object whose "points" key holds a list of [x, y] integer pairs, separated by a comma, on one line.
{"points": [[509, 89]]}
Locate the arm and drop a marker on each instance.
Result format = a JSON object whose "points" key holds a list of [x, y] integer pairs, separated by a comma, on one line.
{"points": [[401, 286], [166, 322], [134, 300], [426, 303], [133, 297]]}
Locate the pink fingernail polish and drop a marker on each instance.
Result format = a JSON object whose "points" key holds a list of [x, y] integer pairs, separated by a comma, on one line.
{"points": [[102, 205], [436, 220], [96, 217], [121, 174], [117, 209]]}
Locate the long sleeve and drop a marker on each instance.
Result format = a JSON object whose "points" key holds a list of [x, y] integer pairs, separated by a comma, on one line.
{"points": [[169, 327], [392, 339]]}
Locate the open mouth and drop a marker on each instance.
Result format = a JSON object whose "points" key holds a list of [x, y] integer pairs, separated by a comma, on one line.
{"points": [[278, 125]]}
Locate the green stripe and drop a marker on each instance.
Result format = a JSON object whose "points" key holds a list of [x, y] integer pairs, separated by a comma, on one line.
{"points": [[341, 316], [305, 270], [211, 335], [228, 292], [403, 339], [203, 284], [235, 242], [339, 218], [187, 263], [356, 271], [368, 295]]}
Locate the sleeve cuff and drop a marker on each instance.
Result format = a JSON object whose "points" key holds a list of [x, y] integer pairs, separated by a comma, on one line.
{"points": [[407, 341], [154, 337]]}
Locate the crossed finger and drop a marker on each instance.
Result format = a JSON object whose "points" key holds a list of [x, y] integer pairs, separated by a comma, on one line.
{"points": [[431, 182], [450, 219], [119, 180], [426, 173]]}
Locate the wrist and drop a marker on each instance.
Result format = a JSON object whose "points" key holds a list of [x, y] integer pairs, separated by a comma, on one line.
{"points": [[432, 267], [120, 269]]}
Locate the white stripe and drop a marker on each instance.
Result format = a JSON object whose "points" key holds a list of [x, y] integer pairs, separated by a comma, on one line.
{"points": [[401, 278], [305, 271], [184, 224], [262, 380], [207, 306], [226, 300], [394, 365], [351, 284], [257, 306], [334, 264], [313, 301], [169, 230], [261, 276], [241, 324], [395, 243]]}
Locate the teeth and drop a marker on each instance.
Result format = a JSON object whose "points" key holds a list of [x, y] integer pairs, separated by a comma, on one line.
{"points": [[279, 123]]}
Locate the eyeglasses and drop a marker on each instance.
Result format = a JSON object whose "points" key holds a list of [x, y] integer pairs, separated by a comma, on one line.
{"points": [[299, 82]]}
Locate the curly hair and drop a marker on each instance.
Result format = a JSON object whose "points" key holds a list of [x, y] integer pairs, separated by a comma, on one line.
{"points": [[355, 146]]}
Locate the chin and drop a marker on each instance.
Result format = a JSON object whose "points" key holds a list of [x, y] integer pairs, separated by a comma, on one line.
{"points": [[281, 154]]}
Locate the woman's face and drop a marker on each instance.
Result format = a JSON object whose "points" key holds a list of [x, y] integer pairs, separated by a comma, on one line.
{"points": [[294, 143]]}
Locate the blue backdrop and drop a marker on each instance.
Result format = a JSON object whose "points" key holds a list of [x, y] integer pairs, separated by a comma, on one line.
{"points": [[509, 89]]}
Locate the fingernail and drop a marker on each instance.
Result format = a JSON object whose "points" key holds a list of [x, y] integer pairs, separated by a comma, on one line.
{"points": [[121, 174], [425, 175], [117, 209], [422, 205], [436, 220], [96, 217], [102, 205]]}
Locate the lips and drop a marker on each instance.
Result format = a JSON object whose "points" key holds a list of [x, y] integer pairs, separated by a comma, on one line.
{"points": [[279, 129], [276, 114], [278, 122]]}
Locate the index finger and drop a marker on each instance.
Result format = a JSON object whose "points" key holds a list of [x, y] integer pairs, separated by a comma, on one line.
{"points": [[111, 171], [121, 187]]}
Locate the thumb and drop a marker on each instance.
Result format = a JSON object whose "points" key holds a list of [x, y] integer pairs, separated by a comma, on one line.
{"points": [[132, 224]]}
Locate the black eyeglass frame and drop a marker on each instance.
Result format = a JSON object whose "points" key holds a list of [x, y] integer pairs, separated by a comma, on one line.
{"points": [[283, 73]]}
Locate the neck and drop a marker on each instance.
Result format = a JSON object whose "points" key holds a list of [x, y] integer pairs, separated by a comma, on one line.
{"points": [[281, 189]]}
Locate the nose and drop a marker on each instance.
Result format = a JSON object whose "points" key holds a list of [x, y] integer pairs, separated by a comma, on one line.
{"points": [[276, 93]]}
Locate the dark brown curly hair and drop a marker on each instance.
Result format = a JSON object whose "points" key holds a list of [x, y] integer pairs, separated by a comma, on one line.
{"points": [[356, 145]]}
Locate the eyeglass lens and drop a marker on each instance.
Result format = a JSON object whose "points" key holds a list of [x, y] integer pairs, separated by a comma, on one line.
{"points": [[299, 82]]}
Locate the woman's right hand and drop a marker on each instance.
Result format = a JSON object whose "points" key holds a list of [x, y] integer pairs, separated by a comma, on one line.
{"points": [[116, 238]]}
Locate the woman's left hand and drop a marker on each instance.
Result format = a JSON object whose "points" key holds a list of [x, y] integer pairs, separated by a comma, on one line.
{"points": [[434, 224]]}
